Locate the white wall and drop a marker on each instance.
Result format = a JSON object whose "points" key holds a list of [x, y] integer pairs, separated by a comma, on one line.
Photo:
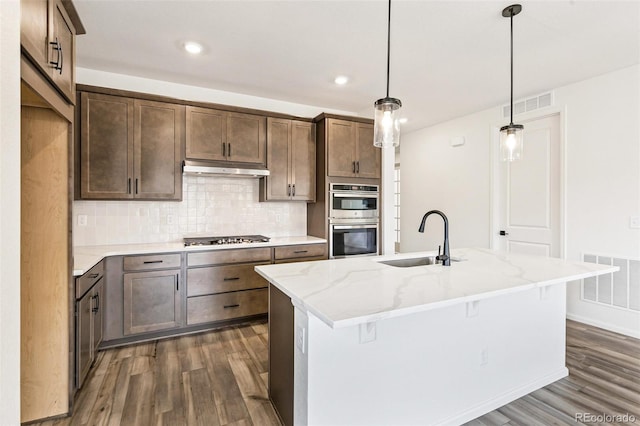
{"points": [[10, 212], [194, 93], [211, 205], [602, 130]]}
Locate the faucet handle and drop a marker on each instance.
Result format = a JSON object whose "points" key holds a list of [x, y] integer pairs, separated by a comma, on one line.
{"points": [[439, 247]]}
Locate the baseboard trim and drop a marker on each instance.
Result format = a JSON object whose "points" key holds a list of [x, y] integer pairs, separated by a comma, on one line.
{"points": [[504, 399], [601, 324]]}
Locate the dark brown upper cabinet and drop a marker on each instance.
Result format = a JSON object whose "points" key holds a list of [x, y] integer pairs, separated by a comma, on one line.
{"points": [[291, 160], [225, 136], [130, 148], [47, 35], [350, 149]]}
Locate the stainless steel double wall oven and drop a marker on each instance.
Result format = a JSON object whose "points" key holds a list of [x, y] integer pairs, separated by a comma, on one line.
{"points": [[354, 220]]}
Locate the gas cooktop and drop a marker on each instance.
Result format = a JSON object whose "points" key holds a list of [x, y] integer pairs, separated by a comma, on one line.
{"points": [[236, 239]]}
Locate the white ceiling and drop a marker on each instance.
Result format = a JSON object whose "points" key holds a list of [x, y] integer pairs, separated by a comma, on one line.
{"points": [[448, 58]]}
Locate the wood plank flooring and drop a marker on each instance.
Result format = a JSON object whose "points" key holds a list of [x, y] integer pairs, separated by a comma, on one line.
{"points": [[220, 378]]}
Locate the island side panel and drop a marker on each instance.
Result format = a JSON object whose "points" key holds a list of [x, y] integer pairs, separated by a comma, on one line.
{"points": [[281, 362], [445, 366]]}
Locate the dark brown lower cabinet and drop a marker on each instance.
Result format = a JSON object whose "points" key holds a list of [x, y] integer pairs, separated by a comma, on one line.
{"points": [[88, 330], [151, 301], [281, 341]]}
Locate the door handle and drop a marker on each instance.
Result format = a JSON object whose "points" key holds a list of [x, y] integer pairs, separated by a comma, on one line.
{"points": [[235, 305], [224, 149], [289, 190], [353, 166], [504, 233], [231, 279], [294, 189], [57, 65], [229, 149], [357, 167], [129, 186]]}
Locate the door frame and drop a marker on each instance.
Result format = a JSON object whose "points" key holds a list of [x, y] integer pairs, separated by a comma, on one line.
{"points": [[494, 190]]}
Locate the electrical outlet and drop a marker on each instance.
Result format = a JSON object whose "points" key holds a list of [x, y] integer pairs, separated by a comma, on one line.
{"points": [[634, 222], [82, 220], [367, 332], [484, 356], [170, 220]]}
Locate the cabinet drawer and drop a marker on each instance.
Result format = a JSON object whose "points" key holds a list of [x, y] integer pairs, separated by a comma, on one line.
{"points": [[222, 279], [301, 250], [88, 279], [224, 306], [154, 261], [261, 254]]}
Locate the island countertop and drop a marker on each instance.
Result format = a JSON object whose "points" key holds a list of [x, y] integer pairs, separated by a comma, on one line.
{"points": [[346, 292]]}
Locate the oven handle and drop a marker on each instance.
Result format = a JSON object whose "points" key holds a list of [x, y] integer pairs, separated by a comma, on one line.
{"points": [[370, 226], [352, 195]]}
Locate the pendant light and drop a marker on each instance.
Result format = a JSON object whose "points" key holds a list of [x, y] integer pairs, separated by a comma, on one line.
{"points": [[386, 127], [511, 135]]}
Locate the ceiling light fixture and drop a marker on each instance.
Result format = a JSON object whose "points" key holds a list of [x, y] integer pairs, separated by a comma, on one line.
{"points": [[341, 80], [193, 47], [511, 139], [386, 127]]}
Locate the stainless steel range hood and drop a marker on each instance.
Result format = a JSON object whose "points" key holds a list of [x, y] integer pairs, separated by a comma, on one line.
{"points": [[191, 167]]}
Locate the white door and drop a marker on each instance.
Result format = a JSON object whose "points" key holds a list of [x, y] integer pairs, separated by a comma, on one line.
{"points": [[529, 194]]}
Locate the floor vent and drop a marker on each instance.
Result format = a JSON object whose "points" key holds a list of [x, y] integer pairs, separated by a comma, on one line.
{"points": [[619, 289], [527, 105]]}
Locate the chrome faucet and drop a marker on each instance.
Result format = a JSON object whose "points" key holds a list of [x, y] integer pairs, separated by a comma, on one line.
{"points": [[445, 257]]}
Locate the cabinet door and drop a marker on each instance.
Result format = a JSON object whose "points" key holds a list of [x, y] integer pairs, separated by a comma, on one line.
{"points": [[367, 155], [97, 315], [303, 161], [151, 301], [246, 138], [278, 140], [64, 74], [34, 31], [206, 134], [158, 137], [83, 337], [106, 147], [341, 136]]}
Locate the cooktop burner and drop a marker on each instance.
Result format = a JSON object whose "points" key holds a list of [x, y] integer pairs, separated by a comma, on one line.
{"points": [[214, 241]]}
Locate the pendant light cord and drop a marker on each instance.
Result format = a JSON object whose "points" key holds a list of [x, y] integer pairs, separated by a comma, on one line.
{"points": [[511, 20], [389, 46]]}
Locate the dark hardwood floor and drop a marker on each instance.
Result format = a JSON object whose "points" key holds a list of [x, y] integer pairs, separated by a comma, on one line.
{"points": [[175, 381]]}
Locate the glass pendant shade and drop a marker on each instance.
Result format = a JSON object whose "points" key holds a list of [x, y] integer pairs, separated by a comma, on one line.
{"points": [[386, 126], [511, 142]]}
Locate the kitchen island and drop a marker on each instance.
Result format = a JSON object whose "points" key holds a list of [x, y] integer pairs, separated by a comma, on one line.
{"points": [[358, 341]]}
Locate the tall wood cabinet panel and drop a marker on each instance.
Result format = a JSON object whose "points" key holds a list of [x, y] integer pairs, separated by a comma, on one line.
{"points": [[291, 159], [225, 136], [350, 150], [130, 148], [45, 276]]}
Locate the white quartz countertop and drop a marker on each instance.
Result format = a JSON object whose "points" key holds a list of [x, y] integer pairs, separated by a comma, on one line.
{"points": [[346, 292], [85, 257]]}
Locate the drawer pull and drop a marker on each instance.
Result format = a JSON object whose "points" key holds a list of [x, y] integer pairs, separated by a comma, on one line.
{"points": [[236, 305], [146, 262], [94, 275], [231, 279], [301, 251]]}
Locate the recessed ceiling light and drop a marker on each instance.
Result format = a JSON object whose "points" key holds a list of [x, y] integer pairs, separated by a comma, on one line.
{"points": [[403, 120], [341, 80], [193, 47]]}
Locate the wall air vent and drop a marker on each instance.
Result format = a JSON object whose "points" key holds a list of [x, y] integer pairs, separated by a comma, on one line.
{"points": [[619, 289], [530, 104]]}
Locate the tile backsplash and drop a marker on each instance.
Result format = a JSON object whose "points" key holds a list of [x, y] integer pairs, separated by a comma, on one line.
{"points": [[210, 205]]}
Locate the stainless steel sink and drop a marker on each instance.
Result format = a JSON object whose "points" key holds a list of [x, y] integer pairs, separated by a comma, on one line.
{"points": [[415, 261]]}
